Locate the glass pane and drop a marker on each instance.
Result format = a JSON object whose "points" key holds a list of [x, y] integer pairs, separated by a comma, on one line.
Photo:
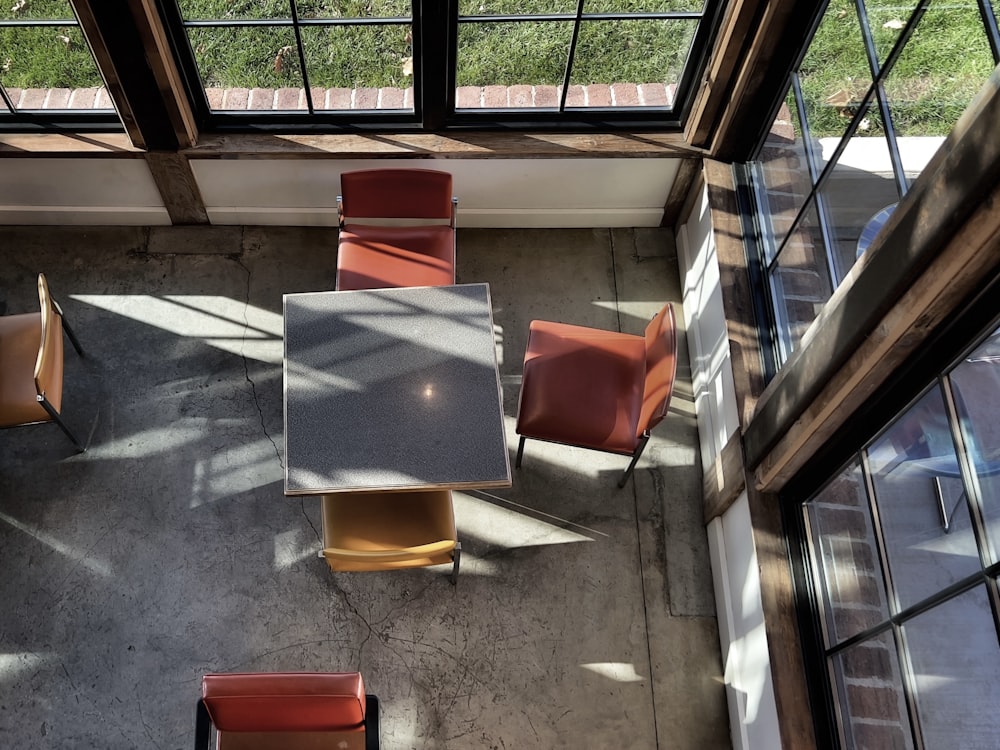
{"points": [[51, 61], [886, 20], [956, 670], [834, 74], [49, 10], [801, 280], [484, 57], [630, 52], [861, 184], [845, 558], [643, 6], [375, 61], [976, 386], [3, 104], [238, 60], [354, 8], [922, 503], [930, 85], [783, 173], [227, 10], [514, 7], [872, 704]]}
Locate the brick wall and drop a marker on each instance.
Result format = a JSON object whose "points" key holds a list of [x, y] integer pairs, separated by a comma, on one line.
{"points": [[344, 99]]}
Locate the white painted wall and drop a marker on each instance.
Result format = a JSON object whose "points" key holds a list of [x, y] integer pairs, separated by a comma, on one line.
{"points": [[79, 191], [517, 193], [521, 193], [753, 715]]}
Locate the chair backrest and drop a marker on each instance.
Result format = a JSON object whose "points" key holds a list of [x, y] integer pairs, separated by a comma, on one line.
{"points": [[287, 709], [397, 194], [661, 368], [48, 365]]}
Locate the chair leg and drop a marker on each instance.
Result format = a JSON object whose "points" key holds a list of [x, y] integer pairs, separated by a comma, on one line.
{"points": [[62, 425], [635, 459], [69, 331], [456, 557], [520, 452]]}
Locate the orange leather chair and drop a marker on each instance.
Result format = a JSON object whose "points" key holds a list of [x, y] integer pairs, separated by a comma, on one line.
{"points": [[31, 365], [377, 256], [286, 711], [597, 389], [389, 530]]}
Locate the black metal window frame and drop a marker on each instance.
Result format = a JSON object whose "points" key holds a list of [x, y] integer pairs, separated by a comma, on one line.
{"points": [[920, 375], [48, 120], [435, 49], [768, 254]]}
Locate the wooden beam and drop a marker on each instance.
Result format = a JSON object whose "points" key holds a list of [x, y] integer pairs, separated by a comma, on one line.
{"points": [[688, 173], [725, 479], [116, 40], [784, 646], [864, 321], [178, 187], [164, 67], [739, 116], [737, 297], [735, 34], [466, 145]]}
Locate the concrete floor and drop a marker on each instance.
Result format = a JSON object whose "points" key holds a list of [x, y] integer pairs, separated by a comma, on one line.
{"points": [[583, 616]]}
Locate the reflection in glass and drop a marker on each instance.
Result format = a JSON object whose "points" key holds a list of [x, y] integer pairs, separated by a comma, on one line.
{"points": [[922, 503], [886, 20], [801, 280], [246, 57], [643, 6], [872, 703], [845, 557], [782, 173], [647, 51], [956, 670], [484, 57], [46, 57], [862, 183], [931, 85], [976, 387], [834, 75]]}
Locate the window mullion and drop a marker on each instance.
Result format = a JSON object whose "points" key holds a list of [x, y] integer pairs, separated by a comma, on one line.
{"points": [[434, 49]]}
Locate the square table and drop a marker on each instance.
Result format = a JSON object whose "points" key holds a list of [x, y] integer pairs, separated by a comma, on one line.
{"points": [[392, 389]]}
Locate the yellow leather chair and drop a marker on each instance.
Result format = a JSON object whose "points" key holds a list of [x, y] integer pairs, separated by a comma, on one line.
{"points": [[31, 365], [388, 530]]}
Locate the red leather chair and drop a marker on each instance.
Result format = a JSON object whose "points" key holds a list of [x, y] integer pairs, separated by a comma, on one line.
{"points": [[31, 376], [597, 389], [373, 256], [287, 711]]}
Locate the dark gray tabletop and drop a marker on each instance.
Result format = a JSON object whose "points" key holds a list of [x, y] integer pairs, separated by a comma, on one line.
{"points": [[392, 389]]}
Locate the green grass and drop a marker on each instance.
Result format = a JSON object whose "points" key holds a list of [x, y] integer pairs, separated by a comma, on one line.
{"points": [[942, 67]]}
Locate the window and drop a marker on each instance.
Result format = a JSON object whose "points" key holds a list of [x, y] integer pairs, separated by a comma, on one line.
{"points": [[877, 90], [429, 64], [901, 548], [47, 71]]}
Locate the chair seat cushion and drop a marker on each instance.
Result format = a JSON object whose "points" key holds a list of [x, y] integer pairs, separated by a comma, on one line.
{"points": [[582, 386], [388, 522], [20, 338], [372, 257], [285, 701]]}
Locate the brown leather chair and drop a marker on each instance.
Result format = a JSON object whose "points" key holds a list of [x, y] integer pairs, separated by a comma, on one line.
{"points": [[31, 365], [286, 711], [597, 389], [376, 256], [389, 530]]}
